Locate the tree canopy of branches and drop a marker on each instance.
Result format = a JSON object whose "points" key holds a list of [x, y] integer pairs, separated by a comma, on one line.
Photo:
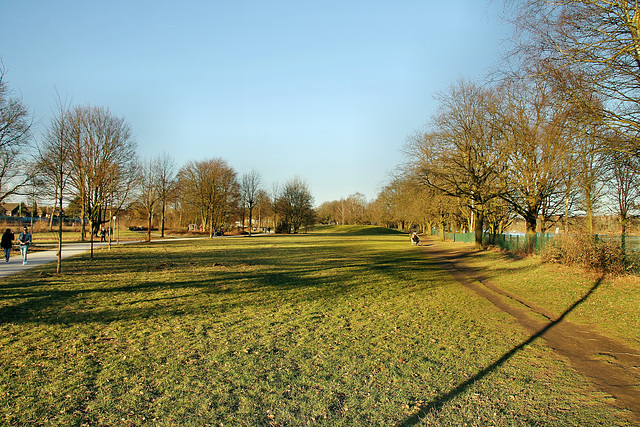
{"points": [[148, 190], [463, 155], [295, 204], [166, 183], [103, 160], [54, 167], [249, 191], [591, 50], [352, 210], [15, 137], [210, 187], [624, 182], [538, 137]]}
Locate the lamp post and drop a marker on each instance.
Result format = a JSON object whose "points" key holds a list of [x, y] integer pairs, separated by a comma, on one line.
{"points": [[110, 228]]}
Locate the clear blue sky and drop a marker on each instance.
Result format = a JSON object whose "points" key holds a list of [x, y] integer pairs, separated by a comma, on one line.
{"points": [[326, 90]]}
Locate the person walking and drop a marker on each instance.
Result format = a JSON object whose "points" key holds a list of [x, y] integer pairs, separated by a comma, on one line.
{"points": [[7, 243], [25, 240]]}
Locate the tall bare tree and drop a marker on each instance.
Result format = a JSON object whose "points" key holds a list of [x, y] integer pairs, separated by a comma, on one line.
{"points": [[590, 49], [211, 188], [54, 166], [624, 185], [103, 161], [15, 137], [463, 155], [295, 204], [590, 175], [167, 183], [264, 209], [538, 134], [353, 209], [250, 187], [148, 191]]}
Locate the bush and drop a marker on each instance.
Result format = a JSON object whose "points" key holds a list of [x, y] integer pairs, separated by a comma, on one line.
{"points": [[601, 255]]}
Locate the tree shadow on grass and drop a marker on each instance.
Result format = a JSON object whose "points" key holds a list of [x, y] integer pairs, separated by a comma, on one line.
{"points": [[134, 283], [442, 399], [53, 301]]}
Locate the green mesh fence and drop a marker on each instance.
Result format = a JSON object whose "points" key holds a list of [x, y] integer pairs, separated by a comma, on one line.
{"points": [[520, 242], [509, 242]]}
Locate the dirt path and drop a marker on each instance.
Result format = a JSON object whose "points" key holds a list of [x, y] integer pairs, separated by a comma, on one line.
{"points": [[611, 365]]}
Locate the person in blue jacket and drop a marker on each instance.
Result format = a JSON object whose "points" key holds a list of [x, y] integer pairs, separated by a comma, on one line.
{"points": [[25, 240]]}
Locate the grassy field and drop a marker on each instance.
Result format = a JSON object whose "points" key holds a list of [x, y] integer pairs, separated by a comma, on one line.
{"points": [[344, 326]]}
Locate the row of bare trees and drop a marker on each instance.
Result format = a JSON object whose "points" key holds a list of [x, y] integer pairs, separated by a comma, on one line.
{"points": [[553, 135], [86, 160], [558, 137]]}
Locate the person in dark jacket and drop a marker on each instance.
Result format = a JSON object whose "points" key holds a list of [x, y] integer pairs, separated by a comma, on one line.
{"points": [[7, 243]]}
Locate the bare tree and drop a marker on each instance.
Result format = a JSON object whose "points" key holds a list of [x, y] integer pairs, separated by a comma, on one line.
{"points": [[591, 50], [295, 204], [167, 183], [211, 188], [539, 136], [15, 136], [462, 156], [250, 186], [264, 208], [624, 185], [327, 212], [103, 161], [156, 186], [54, 166], [352, 210], [149, 192], [590, 171]]}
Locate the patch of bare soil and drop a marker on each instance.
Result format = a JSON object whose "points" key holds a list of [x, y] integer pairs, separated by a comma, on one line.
{"points": [[611, 365]]}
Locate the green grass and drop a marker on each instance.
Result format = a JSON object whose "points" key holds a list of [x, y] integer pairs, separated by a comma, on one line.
{"points": [[613, 308], [343, 326]]}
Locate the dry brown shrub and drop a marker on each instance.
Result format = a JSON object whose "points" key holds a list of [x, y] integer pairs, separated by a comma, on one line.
{"points": [[587, 251]]}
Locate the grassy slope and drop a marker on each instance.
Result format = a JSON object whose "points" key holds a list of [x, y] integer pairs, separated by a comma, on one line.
{"points": [[341, 327]]}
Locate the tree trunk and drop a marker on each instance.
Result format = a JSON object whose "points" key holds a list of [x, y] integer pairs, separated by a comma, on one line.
{"points": [[53, 211], [149, 219], [531, 221], [589, 217], [566, 216], [478, 228], [91, 235], [59, 263], [623, 232], [83, 230], [162, 221]]}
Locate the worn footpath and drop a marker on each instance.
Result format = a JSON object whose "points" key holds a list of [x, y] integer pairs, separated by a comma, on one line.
{"points": [[612, 366]]}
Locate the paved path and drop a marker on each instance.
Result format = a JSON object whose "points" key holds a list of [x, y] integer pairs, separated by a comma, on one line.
{"points": [[37, 258], [41, 257]]}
